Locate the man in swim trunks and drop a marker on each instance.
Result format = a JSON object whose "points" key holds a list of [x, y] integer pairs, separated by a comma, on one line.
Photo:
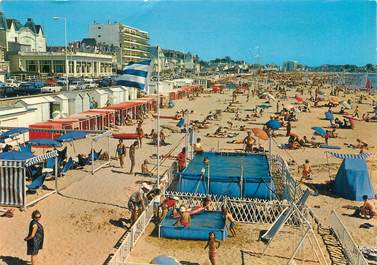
{"points": [[248, 142], [368, 209], [306, 173]]}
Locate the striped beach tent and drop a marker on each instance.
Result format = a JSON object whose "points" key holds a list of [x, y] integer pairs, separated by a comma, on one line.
{"points": [[354, 156], [13, 179]]}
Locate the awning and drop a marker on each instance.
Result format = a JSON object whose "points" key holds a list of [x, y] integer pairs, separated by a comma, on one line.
{"points": [[354, 156], [44, 142], [12, 133], [15, 156], [71, 136]]}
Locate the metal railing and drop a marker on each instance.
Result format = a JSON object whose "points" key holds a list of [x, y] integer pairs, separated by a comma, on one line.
{"points": [[351, 249], [137, 229]]}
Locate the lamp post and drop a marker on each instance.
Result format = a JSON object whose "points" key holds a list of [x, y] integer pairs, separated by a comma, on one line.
{"points": [[66, 50]]}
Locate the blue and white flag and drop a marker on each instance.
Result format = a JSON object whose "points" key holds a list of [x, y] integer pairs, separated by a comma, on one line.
{"points": [[136, 74]]}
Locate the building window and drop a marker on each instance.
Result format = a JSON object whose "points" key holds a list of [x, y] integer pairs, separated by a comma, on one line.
{"points": [[31, 66], [45, 66], [99, 27], [99, 36], [59, 66]]}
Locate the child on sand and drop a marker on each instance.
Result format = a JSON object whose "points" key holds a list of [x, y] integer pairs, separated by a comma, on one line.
{"points": [[211, 244], [229, 219], [306, 173]]}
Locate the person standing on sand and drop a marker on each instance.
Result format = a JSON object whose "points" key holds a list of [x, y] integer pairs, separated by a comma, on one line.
{"points": [[277, 106], [35, 237], [120, 152], [356, 112], [289, 128], [140, 133], [211, 244], [306, 173], [248, 142], [181, 157], [132, 155]]}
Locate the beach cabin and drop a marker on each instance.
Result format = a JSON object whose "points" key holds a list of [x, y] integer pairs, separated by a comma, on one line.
{"points": [[115, 95], [132, 93], [77, 102], [42, 106], [35, 134], [17, 116], [125, 94], [99, 96], [60, 105]]}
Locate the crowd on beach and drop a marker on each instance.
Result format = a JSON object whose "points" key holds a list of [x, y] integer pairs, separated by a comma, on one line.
{"points": [[274, 93]]}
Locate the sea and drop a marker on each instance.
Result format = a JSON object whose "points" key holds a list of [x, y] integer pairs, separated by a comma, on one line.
{"points": [[358, 80]]}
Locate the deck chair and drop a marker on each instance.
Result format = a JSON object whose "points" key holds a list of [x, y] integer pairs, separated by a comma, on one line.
{"points": [[36, 183], [62, 154], [25, 148], [67, 165], [283, 218], [50, 162]]}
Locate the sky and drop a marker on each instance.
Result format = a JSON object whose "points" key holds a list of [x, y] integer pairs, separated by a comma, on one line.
{"points": [[313, 32]]}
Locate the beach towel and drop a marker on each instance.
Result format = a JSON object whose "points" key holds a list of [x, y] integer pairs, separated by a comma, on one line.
{"points": [[329, 146]]}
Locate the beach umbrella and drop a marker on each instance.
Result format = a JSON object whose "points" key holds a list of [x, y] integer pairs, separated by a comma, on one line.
{"points": [[165, 260], [264, 106], [345, 105], [258, 132], [319, 131], [273, 124], [299, 99], [45, 142], [269, 96], [329, 116], [333, 100]]}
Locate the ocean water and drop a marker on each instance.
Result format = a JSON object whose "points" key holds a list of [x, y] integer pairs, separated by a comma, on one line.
{"points": [[358, 80]]}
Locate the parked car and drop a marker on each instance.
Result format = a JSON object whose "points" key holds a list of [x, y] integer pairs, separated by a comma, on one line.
{"points": [[51, 89], [12, 83], [51, 81], [29, 88]]}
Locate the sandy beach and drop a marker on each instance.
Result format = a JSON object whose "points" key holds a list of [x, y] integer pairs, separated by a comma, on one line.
{"points": [[85, 221]]}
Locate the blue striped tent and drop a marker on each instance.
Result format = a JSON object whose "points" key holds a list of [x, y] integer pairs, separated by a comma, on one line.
{"points": [[354, 156], [13, 179]]}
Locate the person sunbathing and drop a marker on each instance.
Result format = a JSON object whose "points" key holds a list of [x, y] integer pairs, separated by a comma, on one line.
{"points": [[368, 209], [6, 212]]}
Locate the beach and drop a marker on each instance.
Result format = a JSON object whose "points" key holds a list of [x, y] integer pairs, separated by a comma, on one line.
{"points": [[84, 222]]}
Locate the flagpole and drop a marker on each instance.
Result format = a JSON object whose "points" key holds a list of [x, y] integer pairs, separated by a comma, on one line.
{"points": [[158, 117]]}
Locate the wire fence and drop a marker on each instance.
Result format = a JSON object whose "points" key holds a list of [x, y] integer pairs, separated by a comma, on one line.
{"points": [[351, 249], [286, 186], [245, 210], [132, 236]]}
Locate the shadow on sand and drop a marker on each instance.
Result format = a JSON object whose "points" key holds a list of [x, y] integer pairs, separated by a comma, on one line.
{"points": [[8, 260]]}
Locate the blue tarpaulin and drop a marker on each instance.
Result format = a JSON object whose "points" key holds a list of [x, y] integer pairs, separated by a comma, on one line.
{"points": [[15, 155], [226, 171], [12, 133], [352, 180], [201, 225], [71, 136], [44, 142]]}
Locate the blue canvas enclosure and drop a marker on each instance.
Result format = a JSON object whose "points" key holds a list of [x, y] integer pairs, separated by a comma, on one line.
{"points": [[352, 180], [229, 174], [201, 225]]}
